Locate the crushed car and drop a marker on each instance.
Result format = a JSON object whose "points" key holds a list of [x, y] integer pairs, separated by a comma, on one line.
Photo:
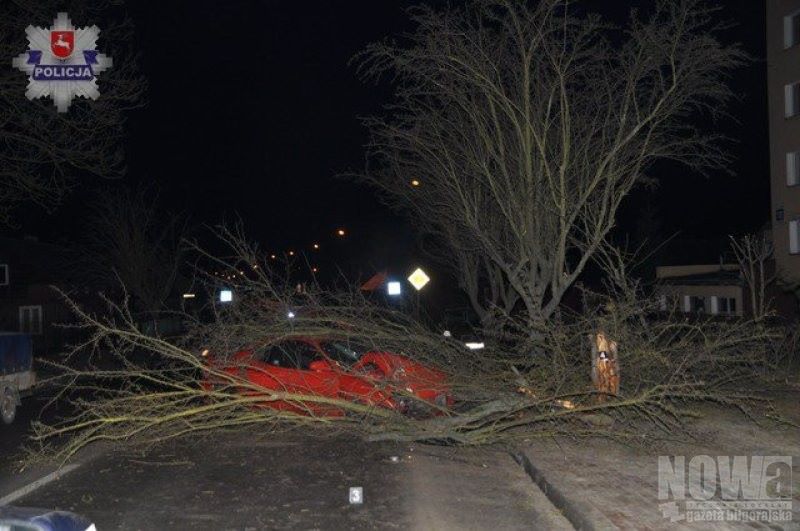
{"points": [[336, 369]]}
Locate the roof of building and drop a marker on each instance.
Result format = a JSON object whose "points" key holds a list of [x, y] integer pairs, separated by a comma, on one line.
{"points": [[714, 278]]}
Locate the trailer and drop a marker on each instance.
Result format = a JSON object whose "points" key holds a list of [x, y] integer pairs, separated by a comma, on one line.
{"points": [[17, 377]]}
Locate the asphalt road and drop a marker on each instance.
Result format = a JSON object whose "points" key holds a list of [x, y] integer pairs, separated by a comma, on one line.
{"points": [[13, 436], [247, 480]]}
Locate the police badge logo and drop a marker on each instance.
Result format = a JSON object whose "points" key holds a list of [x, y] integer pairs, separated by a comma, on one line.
{"points": [[62, 43], [62, 62]]}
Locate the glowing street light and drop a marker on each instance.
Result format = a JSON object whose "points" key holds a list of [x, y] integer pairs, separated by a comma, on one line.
{"points": [[340, 232], [225, 295], [291, 253], [316, 246], [415, 182], [394, 288], [419, 279]]}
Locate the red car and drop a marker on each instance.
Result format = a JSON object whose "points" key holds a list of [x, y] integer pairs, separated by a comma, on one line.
{"points": [[335, 369]]}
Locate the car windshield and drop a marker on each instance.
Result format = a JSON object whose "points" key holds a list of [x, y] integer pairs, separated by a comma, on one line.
{"points": [[345, 352]]}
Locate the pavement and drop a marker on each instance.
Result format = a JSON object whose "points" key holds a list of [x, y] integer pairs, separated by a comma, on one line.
{"points": [[600, 484], [255, 480], [296, 481], [14, 437]]}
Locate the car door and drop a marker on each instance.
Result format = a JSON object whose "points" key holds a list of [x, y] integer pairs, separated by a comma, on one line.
{"points": [[284, 367], [357, 381]]}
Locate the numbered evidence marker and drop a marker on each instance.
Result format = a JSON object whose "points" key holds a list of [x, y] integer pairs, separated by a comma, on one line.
{"points": [[356, 495]]}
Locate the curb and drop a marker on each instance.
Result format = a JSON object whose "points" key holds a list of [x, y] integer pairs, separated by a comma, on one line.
{"points": [[581, 517]]}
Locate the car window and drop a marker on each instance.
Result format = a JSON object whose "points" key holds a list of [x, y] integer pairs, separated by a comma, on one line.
{"points": [[345, 352], [292, 355], [262, 353]]}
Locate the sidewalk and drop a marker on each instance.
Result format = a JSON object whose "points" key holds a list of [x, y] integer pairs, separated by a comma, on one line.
{"points": [[604, 485]]}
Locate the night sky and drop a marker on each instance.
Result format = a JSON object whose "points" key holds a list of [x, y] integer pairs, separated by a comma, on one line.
{"points": [[253, 110]]}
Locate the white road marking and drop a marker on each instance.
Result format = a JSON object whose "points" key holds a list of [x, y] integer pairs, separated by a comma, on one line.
{"points": [[32, 486]]}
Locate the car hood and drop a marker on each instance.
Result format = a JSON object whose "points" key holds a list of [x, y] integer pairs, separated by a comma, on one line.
{"points": [[402, 369]]}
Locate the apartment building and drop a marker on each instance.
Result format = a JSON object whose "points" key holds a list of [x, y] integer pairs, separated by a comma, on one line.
{"points": [[783, 78]]}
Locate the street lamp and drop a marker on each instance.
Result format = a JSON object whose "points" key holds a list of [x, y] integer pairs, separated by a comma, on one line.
{"points": [[340, 233], [394, 288]]}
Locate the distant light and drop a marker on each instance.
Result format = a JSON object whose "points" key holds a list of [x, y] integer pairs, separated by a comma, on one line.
{"points": [[291, 253], [419, 279], [415, 182], [290, 314], [205, 353], [314, 269], [188, 295], [340, 232], [394, 288], [272, 256], [255, 266], [475, 346], [447, 333], [316, 246], [225, 295]]}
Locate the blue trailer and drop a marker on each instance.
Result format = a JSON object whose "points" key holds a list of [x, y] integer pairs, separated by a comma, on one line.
{"points": [[17, 377]]}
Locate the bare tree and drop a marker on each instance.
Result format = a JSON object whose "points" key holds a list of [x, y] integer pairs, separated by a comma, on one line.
{"points": [[526, 124], [753, 253], [668, 370], [43, 152], [133, 242]]}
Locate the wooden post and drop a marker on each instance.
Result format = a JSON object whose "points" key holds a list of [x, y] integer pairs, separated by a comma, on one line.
{"points": [[605, 366]]}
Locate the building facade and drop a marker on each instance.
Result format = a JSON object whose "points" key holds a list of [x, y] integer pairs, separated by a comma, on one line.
{"points": [[710, 289], [28, 301], [783, 78]]}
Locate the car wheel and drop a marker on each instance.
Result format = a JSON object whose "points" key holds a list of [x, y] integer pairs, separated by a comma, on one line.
{"points": [[8, 406]]}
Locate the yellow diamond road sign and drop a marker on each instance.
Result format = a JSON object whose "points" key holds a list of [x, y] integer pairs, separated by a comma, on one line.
{"points": [[418, 279]]}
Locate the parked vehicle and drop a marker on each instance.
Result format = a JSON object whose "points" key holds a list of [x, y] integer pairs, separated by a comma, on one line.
{"points": [[335, 369], [30, 519], [17, 377]]}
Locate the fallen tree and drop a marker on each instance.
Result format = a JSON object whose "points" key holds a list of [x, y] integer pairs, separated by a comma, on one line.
{"points": [[142, 389]]}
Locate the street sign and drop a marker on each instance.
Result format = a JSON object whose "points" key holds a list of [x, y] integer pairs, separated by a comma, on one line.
{"points": [[419, 279]]}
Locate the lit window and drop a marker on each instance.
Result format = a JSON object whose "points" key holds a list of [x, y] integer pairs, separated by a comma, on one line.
{"points": [[791, 99], [793, 168], [3, 274], [791, 30], [794, 236]]}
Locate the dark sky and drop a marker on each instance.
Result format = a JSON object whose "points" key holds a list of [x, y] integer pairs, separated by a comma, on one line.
{"points": [[252, 111]]}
